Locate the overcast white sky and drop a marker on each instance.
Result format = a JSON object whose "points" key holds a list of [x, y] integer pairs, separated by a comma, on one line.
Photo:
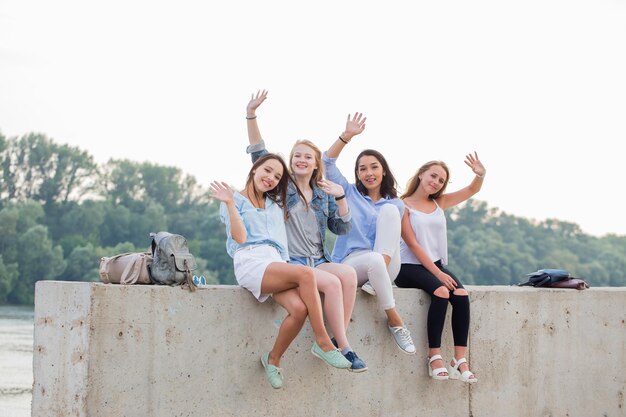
{"points": [[537, 87]]}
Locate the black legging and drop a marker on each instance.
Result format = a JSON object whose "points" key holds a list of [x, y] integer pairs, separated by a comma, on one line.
{"points": [[416, 276]]}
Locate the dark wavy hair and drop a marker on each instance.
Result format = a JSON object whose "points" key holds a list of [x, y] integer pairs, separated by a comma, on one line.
{"points": [[277, 194], [388, 185]]}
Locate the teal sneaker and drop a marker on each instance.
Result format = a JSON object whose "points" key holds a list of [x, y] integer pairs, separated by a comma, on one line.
{"points": [[333, 357], [272, 372]]}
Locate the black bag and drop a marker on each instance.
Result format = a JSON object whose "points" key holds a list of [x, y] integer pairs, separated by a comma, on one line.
{"points": [[172, 262], [545, 277], [554, 278]]}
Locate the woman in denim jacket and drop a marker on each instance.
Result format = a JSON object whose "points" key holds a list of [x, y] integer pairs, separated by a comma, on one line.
{"points": [[306, 228]]}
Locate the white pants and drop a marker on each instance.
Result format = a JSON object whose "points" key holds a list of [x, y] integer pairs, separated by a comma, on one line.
{"points": [[370, 264]]}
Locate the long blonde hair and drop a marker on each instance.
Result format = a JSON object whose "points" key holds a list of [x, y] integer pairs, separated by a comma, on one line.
{"points": [[414, 182], [318, 173]]}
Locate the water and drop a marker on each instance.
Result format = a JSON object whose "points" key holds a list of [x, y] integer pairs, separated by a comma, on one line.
{"points": [[16, 360]]}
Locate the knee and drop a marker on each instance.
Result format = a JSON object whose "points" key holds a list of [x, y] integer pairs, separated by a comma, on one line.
{"points": [[460, 291], [307, 275], [389, 212], [377, 260], [442, 292], [348, 278], [299, 311], [333, 286]]}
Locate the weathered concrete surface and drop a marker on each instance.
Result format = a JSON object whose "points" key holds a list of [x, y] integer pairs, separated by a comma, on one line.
{"points": [[107, 350]]}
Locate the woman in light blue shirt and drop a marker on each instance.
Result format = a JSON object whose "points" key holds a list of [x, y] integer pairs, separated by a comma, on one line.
{"points": [[257, 241], [372, 247]]}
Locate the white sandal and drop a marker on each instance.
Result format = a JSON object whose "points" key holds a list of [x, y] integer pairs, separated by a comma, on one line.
{"points": [[434, 373], [466, 376]]}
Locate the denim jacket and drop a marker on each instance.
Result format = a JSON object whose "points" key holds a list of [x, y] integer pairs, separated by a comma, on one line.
{"points": [[324, 205]]}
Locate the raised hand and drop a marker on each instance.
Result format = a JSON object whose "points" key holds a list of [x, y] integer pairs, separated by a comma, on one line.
{"points": [[221, 191], [256, 101], [474, 163], [354, 125], [331, 188]]}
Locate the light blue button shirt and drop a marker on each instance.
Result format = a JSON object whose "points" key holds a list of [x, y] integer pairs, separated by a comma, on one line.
{"points": [[364, 214], [324, 205], [263, 226]]}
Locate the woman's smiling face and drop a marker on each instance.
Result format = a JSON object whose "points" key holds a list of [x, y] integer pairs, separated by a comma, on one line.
{"points": [[370, 172], [267, 175], [303, 162], [433, 179]]}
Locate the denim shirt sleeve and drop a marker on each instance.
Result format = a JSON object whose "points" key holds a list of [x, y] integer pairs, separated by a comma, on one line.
{"points": [[257, 150]]}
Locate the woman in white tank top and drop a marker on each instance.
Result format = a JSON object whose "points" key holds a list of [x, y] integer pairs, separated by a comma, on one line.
{"points": [[424, 256]]}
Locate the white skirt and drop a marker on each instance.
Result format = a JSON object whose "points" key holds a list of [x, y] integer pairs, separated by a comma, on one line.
{"points": [[250, 263]]}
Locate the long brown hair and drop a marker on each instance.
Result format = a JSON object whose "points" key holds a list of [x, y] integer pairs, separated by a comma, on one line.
{"points": [[388, 185], [415, 180], [277, 194]]}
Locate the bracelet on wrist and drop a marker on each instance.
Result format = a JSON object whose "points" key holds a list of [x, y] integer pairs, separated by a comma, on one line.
{"points": [[343, 140], [250, 118], [341, 197], [481, 176]]}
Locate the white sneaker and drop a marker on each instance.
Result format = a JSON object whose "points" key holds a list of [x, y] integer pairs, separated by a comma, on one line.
{"points": [[367, 287], [402, 336]]}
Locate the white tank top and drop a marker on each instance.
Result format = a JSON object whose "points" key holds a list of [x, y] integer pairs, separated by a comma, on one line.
{"points": [[431, 233]]}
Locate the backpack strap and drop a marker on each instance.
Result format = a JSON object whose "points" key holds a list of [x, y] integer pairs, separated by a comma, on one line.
{"points": [[104, 266], [130, 275], [156, 240], [190, 283], [104, 269]]}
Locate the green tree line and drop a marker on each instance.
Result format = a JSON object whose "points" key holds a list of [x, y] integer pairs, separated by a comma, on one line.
{"points": [[60, 212]]}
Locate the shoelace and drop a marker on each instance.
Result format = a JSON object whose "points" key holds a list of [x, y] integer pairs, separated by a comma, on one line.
{"points": [[405, 334]]}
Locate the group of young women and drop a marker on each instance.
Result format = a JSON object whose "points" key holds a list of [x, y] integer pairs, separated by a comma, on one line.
{"points": [[276, 233]]}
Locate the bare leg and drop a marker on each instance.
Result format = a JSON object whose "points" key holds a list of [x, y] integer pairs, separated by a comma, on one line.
{"points": [[292, 324], [330, 285], [347, 277], [393, 318], [281, 276]]}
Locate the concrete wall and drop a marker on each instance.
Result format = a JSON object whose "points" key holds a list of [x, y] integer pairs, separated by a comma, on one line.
{"points": [[107, 350]]}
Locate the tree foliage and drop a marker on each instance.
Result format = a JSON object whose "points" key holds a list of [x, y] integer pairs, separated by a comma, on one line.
{"points": [[60, 213]]}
